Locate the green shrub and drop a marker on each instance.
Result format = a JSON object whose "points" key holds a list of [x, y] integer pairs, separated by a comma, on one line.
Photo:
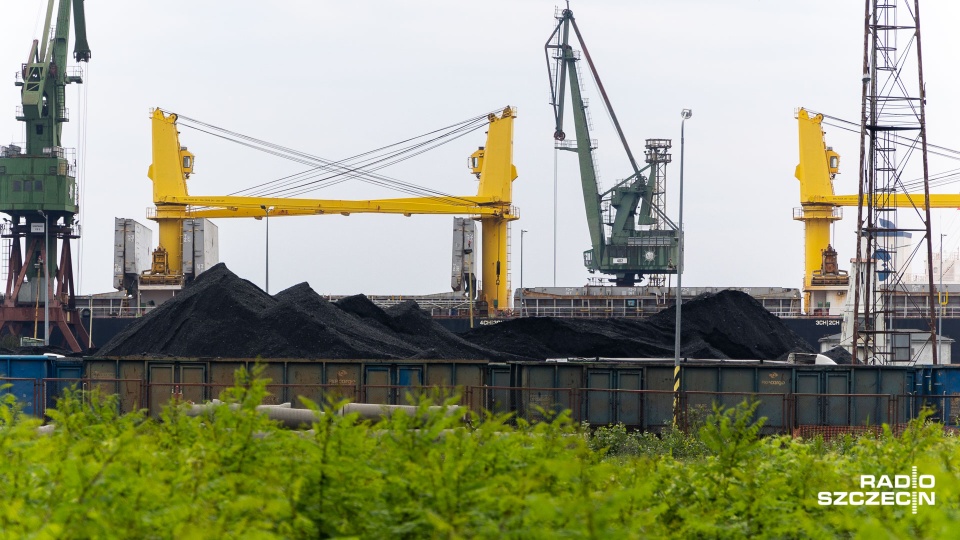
{"points": [[234, 474]]}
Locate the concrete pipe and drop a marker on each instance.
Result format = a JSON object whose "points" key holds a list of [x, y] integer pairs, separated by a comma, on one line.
{"points": [[295, 418], [373, 411], [291, 418]]}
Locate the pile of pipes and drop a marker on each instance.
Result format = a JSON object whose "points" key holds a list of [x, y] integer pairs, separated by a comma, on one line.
{"points": [[304, 418]]}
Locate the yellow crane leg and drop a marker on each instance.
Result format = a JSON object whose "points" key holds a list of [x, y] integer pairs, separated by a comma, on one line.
{"points": [[495, 288], [171, 239], [816, 222]]}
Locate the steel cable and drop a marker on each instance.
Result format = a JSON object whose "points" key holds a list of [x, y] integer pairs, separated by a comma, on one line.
{"points": [[343, 170]]}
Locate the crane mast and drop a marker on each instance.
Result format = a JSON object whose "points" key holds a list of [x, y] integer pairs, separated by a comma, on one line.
{"points": [[642, 240], [38, 185]]}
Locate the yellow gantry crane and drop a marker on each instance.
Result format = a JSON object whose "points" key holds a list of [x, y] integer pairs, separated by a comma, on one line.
{"points": [[820, 206], [493, 164]]}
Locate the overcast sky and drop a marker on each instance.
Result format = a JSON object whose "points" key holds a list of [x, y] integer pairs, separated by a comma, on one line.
{"points": [[339, 78]]}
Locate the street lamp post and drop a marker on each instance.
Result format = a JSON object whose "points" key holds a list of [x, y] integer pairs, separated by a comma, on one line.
{"points": [[46, 278], [471, 285], [684, 114], [522, 253], [267, 209], [940, 298], [522, 232]]}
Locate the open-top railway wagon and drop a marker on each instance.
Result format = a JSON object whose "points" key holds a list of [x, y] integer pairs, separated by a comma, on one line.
{"points": [[636, 392]]}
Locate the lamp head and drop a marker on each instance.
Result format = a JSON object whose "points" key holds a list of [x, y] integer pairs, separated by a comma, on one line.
{"points": [[686, 113]]}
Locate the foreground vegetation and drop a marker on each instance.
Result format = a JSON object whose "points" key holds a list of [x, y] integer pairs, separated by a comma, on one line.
{"points": [[234, 474]]}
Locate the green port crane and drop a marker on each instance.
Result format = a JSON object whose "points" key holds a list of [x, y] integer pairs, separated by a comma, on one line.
{"points": [[38, 185], [642, 240]]}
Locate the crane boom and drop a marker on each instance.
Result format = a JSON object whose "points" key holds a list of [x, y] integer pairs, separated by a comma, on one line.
{"points": [[81, 49]]}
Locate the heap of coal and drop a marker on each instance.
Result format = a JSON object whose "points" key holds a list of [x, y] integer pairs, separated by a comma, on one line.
{"points": [[724, 325], [36, 350], [839, 355], [222, 315], [408, 322]]}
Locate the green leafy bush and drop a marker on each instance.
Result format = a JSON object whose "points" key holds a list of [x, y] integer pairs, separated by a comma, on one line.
{"points": [[232, 473]]}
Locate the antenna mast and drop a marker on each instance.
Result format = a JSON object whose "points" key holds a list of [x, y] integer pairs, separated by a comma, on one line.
{"points": [[893, 143]]}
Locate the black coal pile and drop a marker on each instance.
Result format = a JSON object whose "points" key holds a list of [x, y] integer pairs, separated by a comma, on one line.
{"points": [[734, 324], [222, 315], [39, 350], [352, 331], [361, 306], [211, 317], [839, 355], [408, 323], [549, 337], [725, 325], [417, 327]]}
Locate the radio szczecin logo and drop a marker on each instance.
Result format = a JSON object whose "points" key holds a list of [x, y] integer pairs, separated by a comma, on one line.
{"points": [[911, 490]]}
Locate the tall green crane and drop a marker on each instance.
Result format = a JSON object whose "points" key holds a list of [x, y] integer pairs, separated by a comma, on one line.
{"points": [[38, 185], [631, 237]]}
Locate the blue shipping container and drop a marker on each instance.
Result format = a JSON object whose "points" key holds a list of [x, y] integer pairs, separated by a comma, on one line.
{"points": [[24, 374]]}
